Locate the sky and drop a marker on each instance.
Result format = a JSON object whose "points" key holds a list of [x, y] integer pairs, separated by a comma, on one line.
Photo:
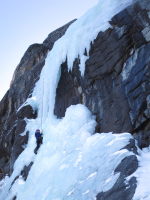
{"points": [[24, 22]]}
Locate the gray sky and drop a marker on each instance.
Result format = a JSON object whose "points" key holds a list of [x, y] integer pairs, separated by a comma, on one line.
{"points": [[24, 22]]}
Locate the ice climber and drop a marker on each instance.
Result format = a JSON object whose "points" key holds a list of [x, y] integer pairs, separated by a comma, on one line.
{"points": [[39, 139]]}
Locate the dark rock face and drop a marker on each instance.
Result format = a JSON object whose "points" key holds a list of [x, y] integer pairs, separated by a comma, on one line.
{"points": [[123, 189], [55, 35], [119, 191], [26, 170], [12, 123], [27, 112], [116, 85]]}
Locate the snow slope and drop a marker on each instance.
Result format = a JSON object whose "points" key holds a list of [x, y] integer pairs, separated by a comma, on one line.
{"points": [[72, 163]]}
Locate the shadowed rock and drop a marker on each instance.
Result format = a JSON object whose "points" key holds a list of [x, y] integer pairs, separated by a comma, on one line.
{"points": [[116, 85], [123, 189]]}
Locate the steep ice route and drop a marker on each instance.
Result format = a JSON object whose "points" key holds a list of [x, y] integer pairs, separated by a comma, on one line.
{"points": [[77, 38], [72, 163]]}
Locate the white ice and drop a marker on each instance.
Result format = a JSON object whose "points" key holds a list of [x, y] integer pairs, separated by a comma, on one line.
{"points": [[72, 163], [143, 176], [128, 66], [72, 45]]}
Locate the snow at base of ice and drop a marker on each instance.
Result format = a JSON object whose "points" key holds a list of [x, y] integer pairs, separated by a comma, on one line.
{"points": [[71, 164], [143, 176]]}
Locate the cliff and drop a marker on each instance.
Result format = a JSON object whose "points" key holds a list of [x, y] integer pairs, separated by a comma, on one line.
{"points": [[116, 78], [115, 88], [13, 123]]}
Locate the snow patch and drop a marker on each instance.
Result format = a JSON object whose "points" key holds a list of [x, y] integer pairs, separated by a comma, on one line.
{"points": [[128, 66], [143, 176]]}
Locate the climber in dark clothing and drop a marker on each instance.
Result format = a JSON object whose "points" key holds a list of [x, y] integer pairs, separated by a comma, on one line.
{"points": [[39, 139]]}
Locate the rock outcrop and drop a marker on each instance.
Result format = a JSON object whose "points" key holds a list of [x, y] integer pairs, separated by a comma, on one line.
{"points": [[123, 189], [115, 87]]}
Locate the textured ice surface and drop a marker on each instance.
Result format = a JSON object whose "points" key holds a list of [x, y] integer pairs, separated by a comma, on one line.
{"points": [[143, 176], [72, 163]]}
